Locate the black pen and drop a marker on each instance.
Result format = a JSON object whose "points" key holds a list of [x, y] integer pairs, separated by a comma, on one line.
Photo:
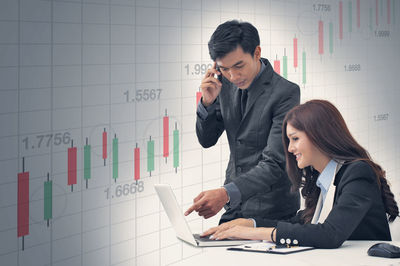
{"points": [[282, 246]]}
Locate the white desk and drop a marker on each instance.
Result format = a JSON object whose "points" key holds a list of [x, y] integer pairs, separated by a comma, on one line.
{"points": [[350, 253]]}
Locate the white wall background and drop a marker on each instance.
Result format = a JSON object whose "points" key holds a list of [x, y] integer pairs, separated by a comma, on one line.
{"points": [[68, 66]]}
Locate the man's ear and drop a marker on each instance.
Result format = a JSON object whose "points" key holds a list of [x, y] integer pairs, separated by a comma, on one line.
{"points": [[257, 52]]}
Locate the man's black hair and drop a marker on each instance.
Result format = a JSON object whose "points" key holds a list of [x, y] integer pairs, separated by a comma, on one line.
{"points": [[229, 35]]}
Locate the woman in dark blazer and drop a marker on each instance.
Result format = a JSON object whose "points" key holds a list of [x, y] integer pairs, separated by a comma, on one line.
{"points": [[321, 151]]}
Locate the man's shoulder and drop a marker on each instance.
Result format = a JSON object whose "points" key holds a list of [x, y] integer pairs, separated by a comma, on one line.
{"points": [[276, 80], [283, 87], [280, 81]]}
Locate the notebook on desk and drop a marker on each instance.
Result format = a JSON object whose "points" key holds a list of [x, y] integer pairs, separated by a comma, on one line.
{"points": [[269, 247], [182, 229]]}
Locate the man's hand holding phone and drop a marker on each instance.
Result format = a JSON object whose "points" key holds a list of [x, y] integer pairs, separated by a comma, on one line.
{"points": [[210, 86]]}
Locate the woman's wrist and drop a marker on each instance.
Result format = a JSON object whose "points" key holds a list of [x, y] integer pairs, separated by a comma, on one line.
{"points": [[260, 233]]}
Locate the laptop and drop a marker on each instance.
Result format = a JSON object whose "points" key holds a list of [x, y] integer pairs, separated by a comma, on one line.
{"points": [[178, 221]]}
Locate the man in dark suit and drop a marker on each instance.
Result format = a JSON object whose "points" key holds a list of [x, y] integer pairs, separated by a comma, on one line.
{"points": [[249, 101]]}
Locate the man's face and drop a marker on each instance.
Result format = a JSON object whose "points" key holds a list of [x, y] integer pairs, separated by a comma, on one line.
{"points": [[239, 67]]}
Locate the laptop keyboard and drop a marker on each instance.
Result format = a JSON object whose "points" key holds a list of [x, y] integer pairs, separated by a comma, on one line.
{"points": [[207, 238]]}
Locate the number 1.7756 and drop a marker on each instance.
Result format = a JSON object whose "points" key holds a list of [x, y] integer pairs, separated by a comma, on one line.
{"points": [[45, 140]]}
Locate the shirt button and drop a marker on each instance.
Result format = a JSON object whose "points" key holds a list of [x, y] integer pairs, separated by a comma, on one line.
{"points": [[282, 241], [238, 169]]}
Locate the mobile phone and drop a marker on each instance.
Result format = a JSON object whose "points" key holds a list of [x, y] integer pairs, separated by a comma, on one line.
{"points": [[220, 75]]}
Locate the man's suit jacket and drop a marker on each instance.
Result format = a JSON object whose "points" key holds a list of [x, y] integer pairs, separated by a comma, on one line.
{"points": [[257, 160], [358, 213]]}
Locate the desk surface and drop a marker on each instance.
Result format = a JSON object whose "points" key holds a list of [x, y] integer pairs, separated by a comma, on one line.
{"points": [[350, 253]]}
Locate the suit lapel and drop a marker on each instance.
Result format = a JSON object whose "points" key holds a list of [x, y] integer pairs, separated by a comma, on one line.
{"points": [[230, 101], [258, 87]]}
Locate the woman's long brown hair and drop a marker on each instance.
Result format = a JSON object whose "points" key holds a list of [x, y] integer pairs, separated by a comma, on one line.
{"points": [[327, 130]]}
